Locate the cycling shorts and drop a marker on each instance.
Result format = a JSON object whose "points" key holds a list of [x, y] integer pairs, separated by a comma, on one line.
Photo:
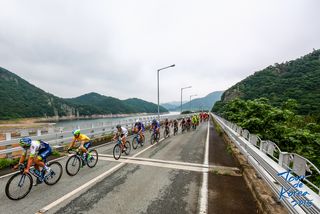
{"points": [[44, 153]]}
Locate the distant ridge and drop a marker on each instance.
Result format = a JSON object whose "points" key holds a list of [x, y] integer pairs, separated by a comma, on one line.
{"points": [[20, 99]]}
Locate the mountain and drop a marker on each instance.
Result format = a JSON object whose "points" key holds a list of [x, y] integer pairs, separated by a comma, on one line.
{"points": [[143, 106], [204, 103], [297, 79], [94, 103], [20, 99], [172, 106]]}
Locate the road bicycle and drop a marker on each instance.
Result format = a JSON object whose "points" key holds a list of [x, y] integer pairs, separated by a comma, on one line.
{"points": [[119, 148], [188, 127], [77, 160], [183, 128], [20, 184], [166, 132], [154, 136], [175, 130], [137, 140]]}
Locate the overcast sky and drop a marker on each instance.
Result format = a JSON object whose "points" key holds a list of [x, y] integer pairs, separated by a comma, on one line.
{"points": [[70, 48]]}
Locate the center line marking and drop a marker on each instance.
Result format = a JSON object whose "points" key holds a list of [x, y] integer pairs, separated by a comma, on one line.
{"points": [[204, 188]]}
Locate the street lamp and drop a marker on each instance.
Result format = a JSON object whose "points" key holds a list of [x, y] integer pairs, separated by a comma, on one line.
{"points": [[181, 97], [158, 86], [190, 99]]}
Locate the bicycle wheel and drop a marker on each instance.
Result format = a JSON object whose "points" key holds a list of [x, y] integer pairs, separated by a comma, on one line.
{"points": [[135, 142], [117, 151], [18, 186], [55, 174], [73, 165], [152, 139], [128, 148], [94, 158]]}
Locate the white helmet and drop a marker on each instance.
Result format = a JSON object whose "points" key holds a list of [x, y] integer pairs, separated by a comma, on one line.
{"points": [[137, 120]]}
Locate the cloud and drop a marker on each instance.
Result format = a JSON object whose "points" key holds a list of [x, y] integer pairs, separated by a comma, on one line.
{"points": [[69, 48]]}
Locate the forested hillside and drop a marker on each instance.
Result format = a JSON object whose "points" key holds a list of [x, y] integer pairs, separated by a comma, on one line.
{"points": [[297, 79], [20, 99]]}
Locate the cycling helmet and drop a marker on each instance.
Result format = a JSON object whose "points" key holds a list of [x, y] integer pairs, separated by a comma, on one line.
{"points": [[118, 126], [76, 132], [137, 120], [154, 121], [25, 142]]}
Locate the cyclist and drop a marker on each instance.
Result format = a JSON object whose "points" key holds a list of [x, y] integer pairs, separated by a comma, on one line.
{"points": [[139, 128], [175, 124], [155, 126], [183, 123], [123, 134], [188, 122], [39, 151], [194, 120], [166, 125], [84, 140]]}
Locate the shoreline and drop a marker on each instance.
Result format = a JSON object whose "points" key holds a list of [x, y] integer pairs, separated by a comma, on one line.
{"points": [[14, 125]]}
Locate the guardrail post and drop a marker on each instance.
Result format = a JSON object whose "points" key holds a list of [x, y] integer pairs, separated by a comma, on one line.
{"points": [[38, 132], [283, 159], [50, 130], [263, 146], [24, 133], [8, 136]]}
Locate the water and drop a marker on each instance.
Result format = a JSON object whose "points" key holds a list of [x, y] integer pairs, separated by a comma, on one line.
{"points": [[72, 124]]}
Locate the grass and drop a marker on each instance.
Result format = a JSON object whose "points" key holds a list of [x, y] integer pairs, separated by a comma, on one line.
{"points": [[5, 162], [55, 153], [229, 149]]}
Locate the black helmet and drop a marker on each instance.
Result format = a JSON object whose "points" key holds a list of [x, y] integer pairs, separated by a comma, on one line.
{"points": [[118, 126]]}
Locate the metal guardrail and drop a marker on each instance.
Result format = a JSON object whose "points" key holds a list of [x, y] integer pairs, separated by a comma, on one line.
{"points": [[269, 161], [63, 137]]}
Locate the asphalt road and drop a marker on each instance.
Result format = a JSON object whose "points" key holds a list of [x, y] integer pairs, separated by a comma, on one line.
{"points": [[159, 178]]}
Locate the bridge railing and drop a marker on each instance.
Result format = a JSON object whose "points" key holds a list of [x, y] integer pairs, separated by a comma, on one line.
{"points": [[60, 138], [269, 161]]}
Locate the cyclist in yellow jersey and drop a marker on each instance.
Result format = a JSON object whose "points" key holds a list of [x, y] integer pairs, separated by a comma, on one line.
{"points": [[84, 140]]}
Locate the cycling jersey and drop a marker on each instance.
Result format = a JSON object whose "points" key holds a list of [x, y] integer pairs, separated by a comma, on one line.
{"points": [[81, 138], [156, 125], [40, 148], [140, 126], [194, 119], [123, 132]]}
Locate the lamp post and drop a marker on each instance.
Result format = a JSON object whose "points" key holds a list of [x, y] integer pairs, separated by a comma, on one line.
{"points": [[190, 99], [158, 86], [181, 97]]}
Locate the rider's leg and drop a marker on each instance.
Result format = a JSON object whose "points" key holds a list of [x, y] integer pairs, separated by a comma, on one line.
{"points": [[123, 140]]}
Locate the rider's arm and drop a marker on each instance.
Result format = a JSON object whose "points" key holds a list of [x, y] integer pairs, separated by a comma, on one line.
{"points": [[22, 158], [72, 143], [116, 135]]}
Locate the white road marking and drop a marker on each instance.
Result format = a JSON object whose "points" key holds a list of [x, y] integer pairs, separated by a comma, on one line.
{"points": [[89, 183], [139, 160], [204, 188], [185, 166]]}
